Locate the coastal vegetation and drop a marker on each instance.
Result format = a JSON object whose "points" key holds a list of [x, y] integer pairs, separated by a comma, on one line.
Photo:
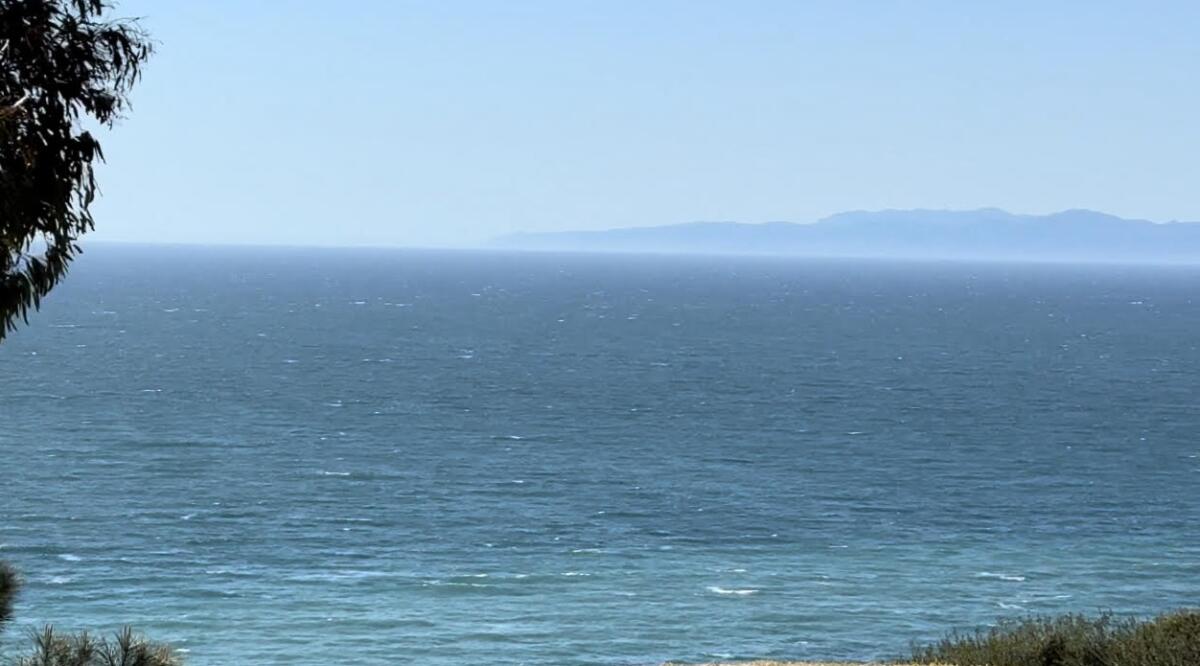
{"points": [[1172, 639], [64, 65], [55, 648]]}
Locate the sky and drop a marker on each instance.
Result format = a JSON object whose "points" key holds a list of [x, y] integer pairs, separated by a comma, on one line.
{"points": [[446, 123]]}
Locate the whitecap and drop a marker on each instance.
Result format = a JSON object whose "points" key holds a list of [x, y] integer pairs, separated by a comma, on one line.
{"points": [[724, 591], [337, 575], [1012, 578], [228, 572], [328, 473], [68, 557]]}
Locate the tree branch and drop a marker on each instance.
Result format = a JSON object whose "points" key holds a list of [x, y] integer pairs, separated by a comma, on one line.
{"points": [[15, 108]]}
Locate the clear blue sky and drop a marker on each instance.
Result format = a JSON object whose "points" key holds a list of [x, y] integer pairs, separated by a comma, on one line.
{"points": [[384, 122]]}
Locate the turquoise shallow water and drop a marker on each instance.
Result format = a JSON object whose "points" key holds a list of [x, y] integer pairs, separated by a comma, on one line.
{"points": [[327, 456]]}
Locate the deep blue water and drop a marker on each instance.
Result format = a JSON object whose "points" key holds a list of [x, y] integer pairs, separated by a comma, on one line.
{"points": [[314, 457]]}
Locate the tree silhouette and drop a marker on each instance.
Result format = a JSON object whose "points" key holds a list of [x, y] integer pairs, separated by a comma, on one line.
{"points": [[8, 593], [62, 63]]}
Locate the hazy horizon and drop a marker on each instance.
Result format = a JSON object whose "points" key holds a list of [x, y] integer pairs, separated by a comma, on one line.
{"points": [[729, 238], [408, 124]]}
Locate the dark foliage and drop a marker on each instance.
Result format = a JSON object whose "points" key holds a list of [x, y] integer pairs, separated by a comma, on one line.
{"points": [[125, 648], [51, 648], [1074, 640], [8, 592], [62, 63]]}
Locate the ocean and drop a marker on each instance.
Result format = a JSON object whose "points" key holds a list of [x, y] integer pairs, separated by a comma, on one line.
{"points": [[294, 456]]}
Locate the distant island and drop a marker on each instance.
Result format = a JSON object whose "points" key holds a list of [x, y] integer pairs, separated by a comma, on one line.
{"points": [[988, 233]]}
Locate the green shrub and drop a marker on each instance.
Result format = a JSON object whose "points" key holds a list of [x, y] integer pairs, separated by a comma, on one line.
{"points": [[123, 649], [52, 648], [1171, 640], [1074, 640]]}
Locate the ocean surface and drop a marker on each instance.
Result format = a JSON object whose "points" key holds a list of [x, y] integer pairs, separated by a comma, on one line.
{"points": [[285, 456]]}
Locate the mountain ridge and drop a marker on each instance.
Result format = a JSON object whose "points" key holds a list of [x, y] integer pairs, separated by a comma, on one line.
{"points": [[985, 233]]}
